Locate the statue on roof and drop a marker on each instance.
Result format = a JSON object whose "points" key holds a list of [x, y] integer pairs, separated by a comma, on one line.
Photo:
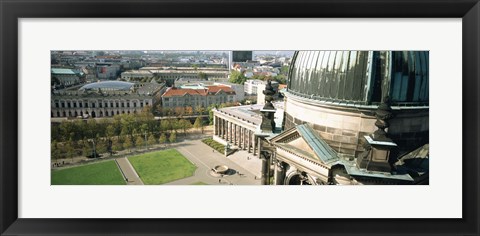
{"points": [[269, 92], [268, 110]]}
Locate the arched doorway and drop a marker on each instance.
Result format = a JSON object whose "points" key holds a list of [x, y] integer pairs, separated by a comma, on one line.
{"points": [[299, 178]]}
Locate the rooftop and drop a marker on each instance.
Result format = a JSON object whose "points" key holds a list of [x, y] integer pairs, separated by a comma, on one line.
{"points": [[251, 113], [207, 90], [113, 85], [62, 71]]}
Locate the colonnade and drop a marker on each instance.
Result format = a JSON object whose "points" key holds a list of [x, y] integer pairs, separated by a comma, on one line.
{"points": [[237, 135]]}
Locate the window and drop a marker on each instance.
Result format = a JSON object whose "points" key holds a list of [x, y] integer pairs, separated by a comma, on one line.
{"points": [[68, 104], [111, 104], [86, 105], [80, 104], [100, 104], [409, 77], [141, 104], [63, 104], [56, 104], [74, 104], [116, 104], [134, 104], [93, 105]]}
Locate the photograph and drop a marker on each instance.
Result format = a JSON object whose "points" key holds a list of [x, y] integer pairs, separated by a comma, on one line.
{"points": [[216, 117], [230, 117]]}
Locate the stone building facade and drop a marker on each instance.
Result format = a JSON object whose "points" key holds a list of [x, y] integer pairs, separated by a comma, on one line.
{"points": [[204, 97], [105, 101]]}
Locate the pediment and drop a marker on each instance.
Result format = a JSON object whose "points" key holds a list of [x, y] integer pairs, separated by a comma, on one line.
{"points": [[304, 141]]}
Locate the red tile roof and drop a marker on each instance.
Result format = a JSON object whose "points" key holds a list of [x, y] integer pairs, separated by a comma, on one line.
{"points": [[210, 90]]}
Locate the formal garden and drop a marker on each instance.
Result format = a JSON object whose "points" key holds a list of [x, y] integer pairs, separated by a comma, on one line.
{"points": [[162, 166], [214, 144], [98, 173]]}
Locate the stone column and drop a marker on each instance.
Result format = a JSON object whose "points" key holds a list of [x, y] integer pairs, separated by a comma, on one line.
{"points": [[265, 157], [215, 125], [234, 133], [227, 131], [279, 173], [254, 146], [249, 140], [259, 141], [224, 129], [230, 131], [220, 126], [244, 139]]}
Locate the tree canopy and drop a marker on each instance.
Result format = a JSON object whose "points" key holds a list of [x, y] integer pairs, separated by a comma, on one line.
{"points": [[237, 77]]}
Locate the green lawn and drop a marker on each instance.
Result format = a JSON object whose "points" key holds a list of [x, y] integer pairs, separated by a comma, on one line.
{"points": [[162, 166], [103, 173]]}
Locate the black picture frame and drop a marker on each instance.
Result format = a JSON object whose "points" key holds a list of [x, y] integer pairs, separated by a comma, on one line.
{"points": [[11, 11]]}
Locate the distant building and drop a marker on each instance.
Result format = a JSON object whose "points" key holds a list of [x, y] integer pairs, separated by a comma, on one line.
{"points": [[197, 96], [242, 56], [251, 87], [107, 71], [238, 88], [171, 75], [66, 77], [136, 75], [105, 98]]}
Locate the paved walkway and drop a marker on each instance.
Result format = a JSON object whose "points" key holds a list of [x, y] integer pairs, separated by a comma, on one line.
{"points": [[128, 172], [205, 159]]}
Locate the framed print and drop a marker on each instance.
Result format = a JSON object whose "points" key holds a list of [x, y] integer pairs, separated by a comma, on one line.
{"points": [[148, 100]]}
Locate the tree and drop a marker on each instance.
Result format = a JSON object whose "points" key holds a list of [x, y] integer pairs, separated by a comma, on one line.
{"points": [[199, 110], [100, 146], [92, 128], [128, 124], [128, 143], [237, 77], [151, 140], [185, 124], [210, 113], [172, 138], [55, 152], [282, 79], [202, 76], [188, 111], [86, 151], [179, 111], [165, 125], [117, 145], [176, 125], [110, 131], [139, 142], [198, 124], [69, 149], [162, 139]]}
